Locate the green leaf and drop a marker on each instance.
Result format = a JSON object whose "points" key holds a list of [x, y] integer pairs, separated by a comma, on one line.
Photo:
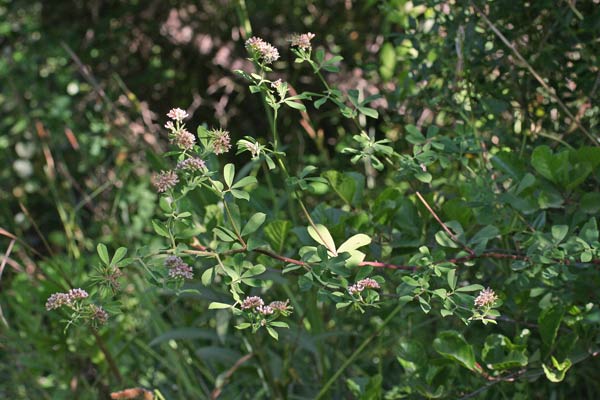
{"points": [[254, 223], [207, 276], [293, 104], [410, 281], [322, 236], [554, 167], [452, 279], [560, 369], [559, 232], [541, 160], [103, 253], [160, 229], [119, 254], [254, 271], [343, 185], [354, 242], [425, 306], [240, 194], [317, 104], [590, 202], [485, 234], [424, 177], [273, 333], [452, 345], [500, 353], [245, 181], [510, 164], [369, 112], [356, 257], [276, 233], [225, 234], [280, 324], [228, 174], [218, 306], [411, 354], [470, 288], [549, 322], [387, 61], [444, 240]]}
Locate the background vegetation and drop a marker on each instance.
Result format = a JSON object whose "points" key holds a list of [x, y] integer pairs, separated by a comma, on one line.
{"points": [[491, 112]]}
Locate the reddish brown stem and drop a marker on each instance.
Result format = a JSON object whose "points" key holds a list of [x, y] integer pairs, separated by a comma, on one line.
{"points": [[217, 390], [111, 361], [281, 258]]}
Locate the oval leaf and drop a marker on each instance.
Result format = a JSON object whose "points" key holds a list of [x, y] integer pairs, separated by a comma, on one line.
{"points": [[452, 345], [355, 242], [322, 236]]}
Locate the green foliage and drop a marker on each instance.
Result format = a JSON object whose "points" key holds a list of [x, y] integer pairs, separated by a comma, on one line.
{"points": [[409, 212]]}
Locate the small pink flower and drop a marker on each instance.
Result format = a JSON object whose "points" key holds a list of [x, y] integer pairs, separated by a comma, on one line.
{"points": [[252, 302], [76, 294], [57, 300], [263, 50], [169, 125], [99, 314], [276, 84], [264, 310], [177, 114], [164, 181], [486, 298], [363, 284], [191, 164], [178, 268], [221, 141], [281, 306], [183, 139], [302, 40]]}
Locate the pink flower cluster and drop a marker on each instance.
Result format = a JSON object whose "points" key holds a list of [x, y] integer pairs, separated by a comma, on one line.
{"points": [[302, 41], [178, 268], [99, 314], [58, 300], [262, 50], [177, 114], [191, 164], [256, 304], [184, 139], [363, 284], [486, 298], [221, 141], [164, 181]]}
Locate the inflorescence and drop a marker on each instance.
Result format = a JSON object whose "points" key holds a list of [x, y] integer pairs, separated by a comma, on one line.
{"points": [[262, 50], [302, 41], [257, 305], [486, 298], [363, 284], [178, 268]]}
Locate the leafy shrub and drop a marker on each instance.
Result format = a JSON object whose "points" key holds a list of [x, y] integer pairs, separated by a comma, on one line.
{"points": [[427, 232]]}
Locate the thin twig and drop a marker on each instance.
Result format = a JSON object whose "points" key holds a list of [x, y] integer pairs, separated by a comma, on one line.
{"points": [[444, 226], [219, 387], [6, 255], [359, 350], [208, 252], [549, 89], [112, 365]]}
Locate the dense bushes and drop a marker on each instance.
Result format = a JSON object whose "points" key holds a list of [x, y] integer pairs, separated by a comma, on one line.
{"points": [[402, 205]]}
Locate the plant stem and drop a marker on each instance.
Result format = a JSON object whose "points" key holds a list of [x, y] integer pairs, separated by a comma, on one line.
{"points": [[235, 228], [359, 350]]}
